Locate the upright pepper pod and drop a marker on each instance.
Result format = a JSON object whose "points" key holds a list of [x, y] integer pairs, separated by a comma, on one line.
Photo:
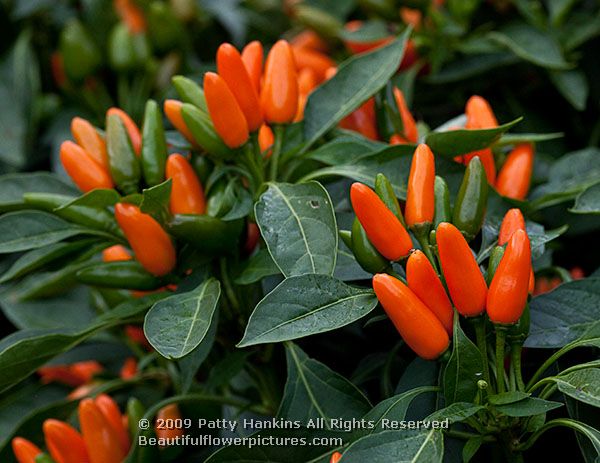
{"points": [[154, 147], [81, 56], [227, 116], [86, 136], [425, 283], [124, 164], [513, 220], [417, 325], [187, 195], [355, 46], [385, 190], [135, 136], [383, 228], [515, 176], [465, 282], [203, 131], [316, 61], [99, 435], [24, 450], [363, 120], [471, 201], [233, 71], [171, 413], [307, 81], [420, 201], [115, 253], [150, 243], [508, 291], [64, 443], [173, 111], [442, 210], [85, 172], [410, 131], [366, 254], [480, 116], [111, 412], [279, 95], [252, 56], [189, 92], [336, 457]]}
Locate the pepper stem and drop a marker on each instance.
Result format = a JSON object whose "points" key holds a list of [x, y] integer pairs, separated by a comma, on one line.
{"points": [[500, 341], [279, 131], [515, 360], [480, 336]]}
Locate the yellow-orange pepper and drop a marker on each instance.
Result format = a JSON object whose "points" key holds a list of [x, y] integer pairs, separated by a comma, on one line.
{"points": [[173, 112], [187, 195], [420, 201], [252, 56]]}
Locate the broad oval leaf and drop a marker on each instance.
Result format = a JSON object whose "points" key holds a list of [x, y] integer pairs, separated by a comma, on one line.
{"points": [[24, 230], [588, 201], [305, 305], [257, 267], [176, 325], [299, 227], [564, 314], [451, 143], [582, 385], [464, 368], [356, 80], [314, 391], [415, 446]]}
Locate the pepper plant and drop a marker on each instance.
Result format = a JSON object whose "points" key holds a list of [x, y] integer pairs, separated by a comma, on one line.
{"points": [[257, 243]]}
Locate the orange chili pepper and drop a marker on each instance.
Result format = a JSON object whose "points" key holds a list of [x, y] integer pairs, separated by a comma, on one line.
{"points": [[168, 412], [252, 237], [86, 136], [383, 228], [332, 71], [408, 122], [131, 15], [233, 71], [129, 369], [115, 253], [480, 116], [425, 283], [398, 140], [420, 200], [362, 120], [463, 277], [111, 412], [316, 61], [307, 82], [513, 220], [135, 135], [187, 195], [507, 295], [99, 435], [73, 375], [136, 334], [360, 47], [336, 457], [64, 443], [411, 16], [515, 176], [85, 172], [417, 325], [279, 96], [266, 139], [82, 391], [173, 112], [252, 56], [310, 40], [24, 450], [150, 243], [225, 112]]}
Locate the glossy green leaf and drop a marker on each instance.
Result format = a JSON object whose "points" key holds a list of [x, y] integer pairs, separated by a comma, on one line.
{"points": [[298, 224], [314, 391], [582, 385], [13, 186], [456, 412], [155, 201], [100, 198], [573, 85], [305, 305], [356, 80], [257, 267], [588, 201], [527, 407], [176, 325]]}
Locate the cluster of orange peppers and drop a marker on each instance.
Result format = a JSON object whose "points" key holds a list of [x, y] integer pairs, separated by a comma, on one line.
{"points": [[104, 436], [422, 309]]}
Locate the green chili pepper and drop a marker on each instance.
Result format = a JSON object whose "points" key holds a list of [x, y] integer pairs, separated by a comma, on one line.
{"points": [[384, 189], [124, 164], [471, 201], [205, 233], [202, 166], [495, 258], [190, 92], [123, 274], [43, 458], [366, 255], [165, 30], [154, 147], [443, 212], [203, 131], [87, 216], [80, 54], [384, 114], [346, 236], [135, 412], [127, 51]]}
